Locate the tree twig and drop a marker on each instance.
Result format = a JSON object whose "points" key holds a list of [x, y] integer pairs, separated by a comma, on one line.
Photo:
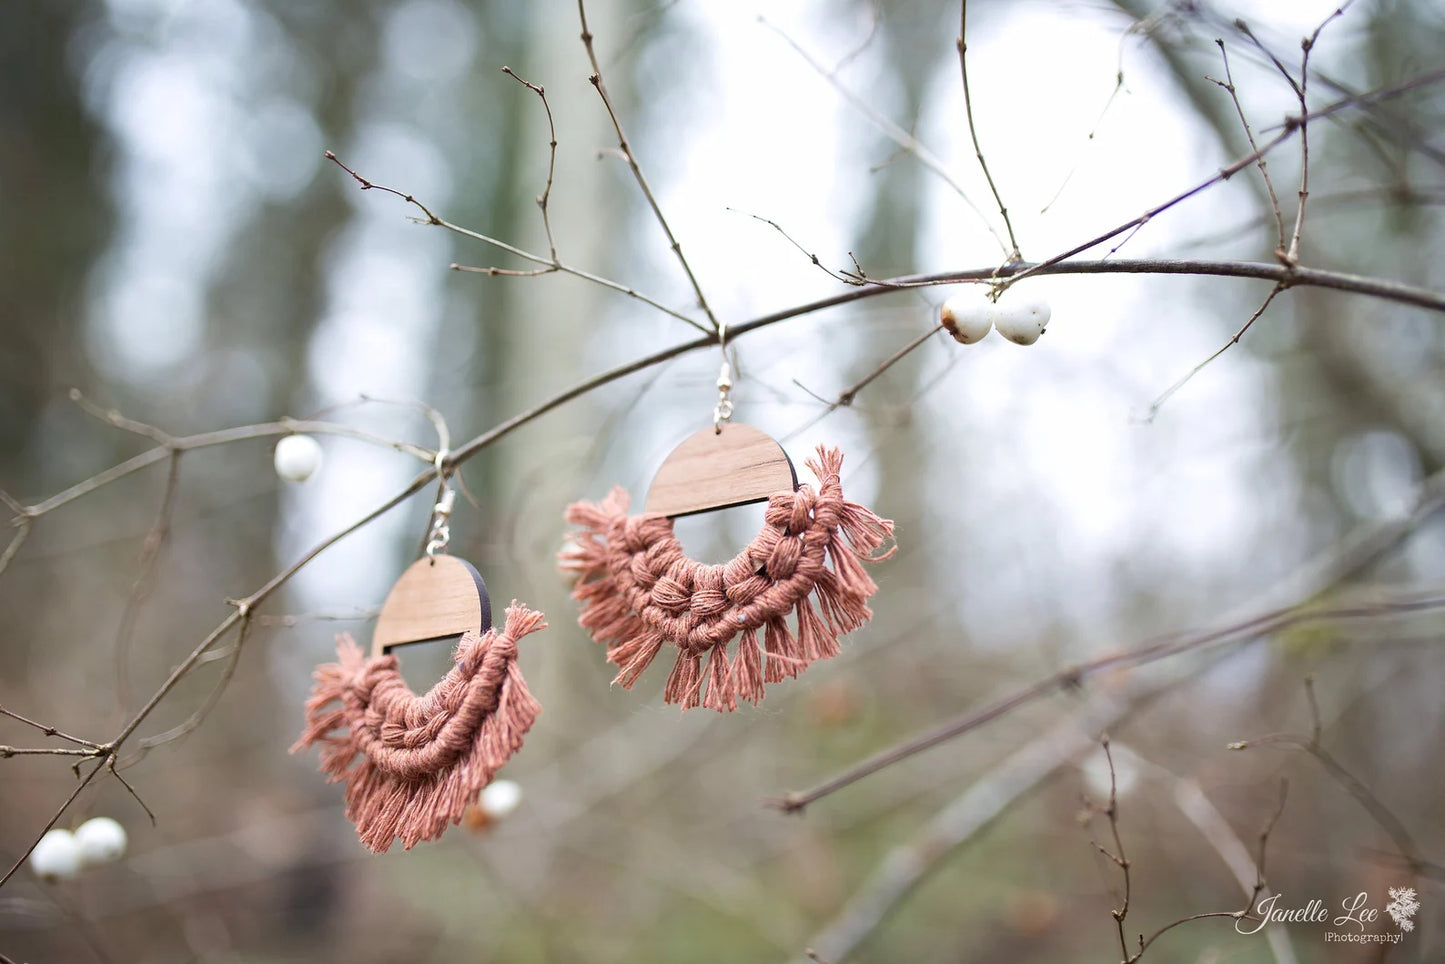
{"points": [[160, 453], [1169, 392], [1290, 127], [1117, 855], [144, 581], [548, 264], [46, 729], [892, 131], [546, 195], [625, 146], [1291, 256], [1228, 85], [1191, 800], [1367, 798], [962, 44]]}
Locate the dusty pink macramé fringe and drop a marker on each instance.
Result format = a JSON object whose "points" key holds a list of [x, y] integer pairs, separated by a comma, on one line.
{"points": [[420, 760], [639, 590]]}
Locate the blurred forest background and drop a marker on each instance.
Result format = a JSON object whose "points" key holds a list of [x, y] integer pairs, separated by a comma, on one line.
{"points": [[174, 246]]}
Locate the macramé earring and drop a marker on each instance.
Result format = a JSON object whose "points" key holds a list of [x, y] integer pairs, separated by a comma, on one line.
{"points": [[640, 591], [413, 764]]}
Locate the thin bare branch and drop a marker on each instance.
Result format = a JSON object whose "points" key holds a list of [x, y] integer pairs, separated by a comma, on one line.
{"points": [[8, 751], [232, 655], [292, 620], [962, 44], [432, 415], [144, 581], [845, 398], [1294, 85], [22, 532], [548, 264], [1169, 392], [1289, 128], [1094, 130], [1291, 256], [48, 730], [546, 195], [1120, 859], [847, 278], [893, 132], [160, 453], [1314, 710], [114, 418], [241, 613], [1144, 943], [1191, 800], [626, 147], [111, 766], [495, 272], [11, 503], [1228, 85]]}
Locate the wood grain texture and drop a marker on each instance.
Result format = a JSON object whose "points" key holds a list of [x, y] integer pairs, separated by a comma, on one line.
{"points": [[434, 598], [715, 471]]}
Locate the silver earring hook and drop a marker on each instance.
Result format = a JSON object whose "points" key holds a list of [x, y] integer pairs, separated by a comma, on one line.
{"points": [[723, 410], [440, 535]]}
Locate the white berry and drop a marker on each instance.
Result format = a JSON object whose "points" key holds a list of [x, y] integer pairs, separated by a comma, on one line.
{"points": [[101, 841], [56, 857], [297, 457], [967, 316], [500, 798], [1021, 321]]}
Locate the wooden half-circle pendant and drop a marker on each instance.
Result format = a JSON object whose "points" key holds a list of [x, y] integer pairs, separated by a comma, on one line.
{"points": [[435, 598], [716, 470]]}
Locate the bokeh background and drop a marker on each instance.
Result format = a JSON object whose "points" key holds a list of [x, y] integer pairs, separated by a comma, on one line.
{"points": [[174, 245]]}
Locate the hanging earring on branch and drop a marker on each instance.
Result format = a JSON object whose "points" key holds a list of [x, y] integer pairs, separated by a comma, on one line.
{"points": [[413, 764], [639, 590]]}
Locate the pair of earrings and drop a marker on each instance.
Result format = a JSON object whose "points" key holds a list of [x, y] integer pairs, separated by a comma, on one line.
{"points": [[412, 764]]}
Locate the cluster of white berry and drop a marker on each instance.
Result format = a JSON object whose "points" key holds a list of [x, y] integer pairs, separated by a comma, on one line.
{"points": [[968, 316], [61, 854]]}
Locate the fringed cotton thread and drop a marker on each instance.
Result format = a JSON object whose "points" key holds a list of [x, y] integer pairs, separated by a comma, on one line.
{"points": [[639, 591], [419, 761]]}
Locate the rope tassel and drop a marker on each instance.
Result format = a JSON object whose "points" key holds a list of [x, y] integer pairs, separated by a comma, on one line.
{"points": [[413, 764], [639, 590]]}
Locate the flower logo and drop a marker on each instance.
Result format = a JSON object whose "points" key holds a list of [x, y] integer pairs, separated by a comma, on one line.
{"points": [[1402, 907]]}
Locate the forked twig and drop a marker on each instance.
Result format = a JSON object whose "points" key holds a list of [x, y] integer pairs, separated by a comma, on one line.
{"points": [[1228, 85], [549, 265]]}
